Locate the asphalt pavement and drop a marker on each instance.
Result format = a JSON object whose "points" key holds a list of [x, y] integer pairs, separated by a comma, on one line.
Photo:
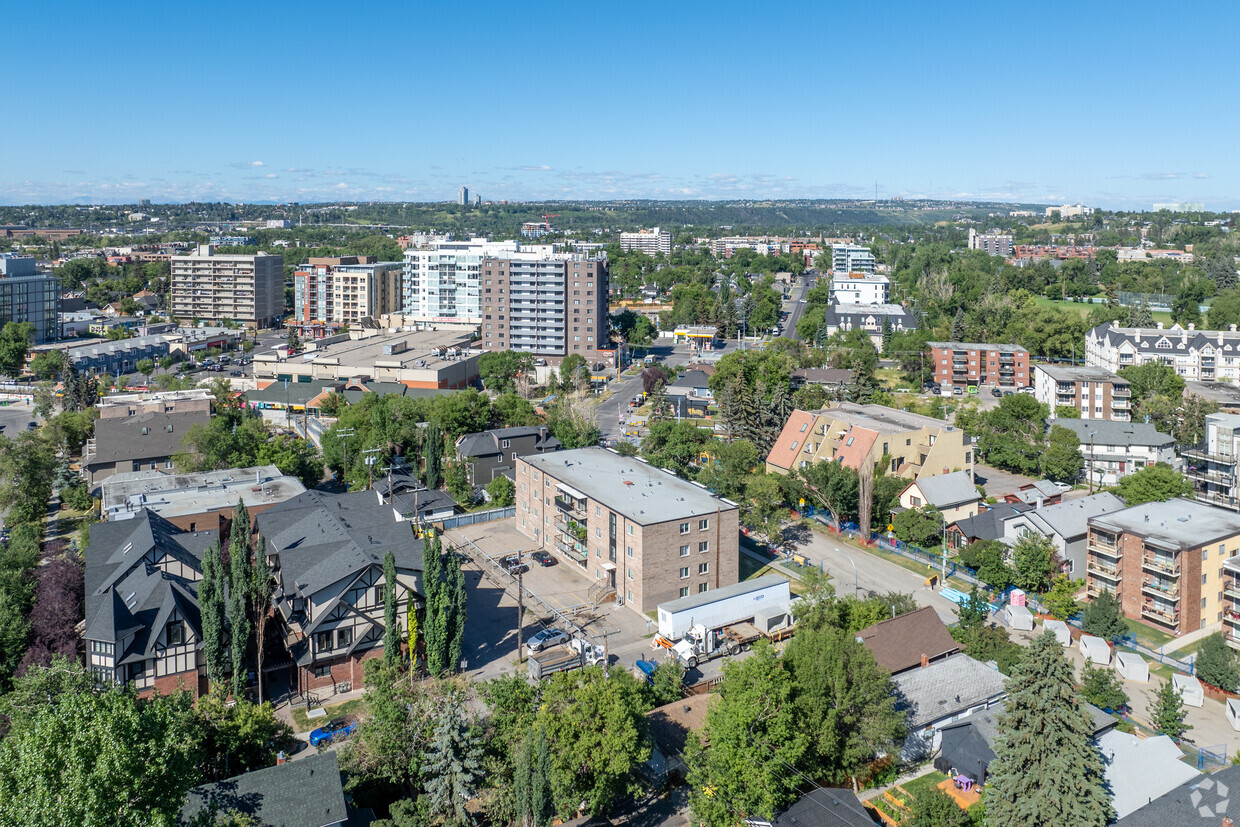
{"points": [[793, 306], [625, 388]]}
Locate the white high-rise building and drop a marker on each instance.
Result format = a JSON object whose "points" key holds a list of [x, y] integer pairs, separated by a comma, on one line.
{"points": [[462, 197], [846, 258], [650, 242], [859, 288], [442, 280]]}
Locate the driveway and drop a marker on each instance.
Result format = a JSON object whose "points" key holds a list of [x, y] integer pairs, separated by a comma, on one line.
{"points": [[999, 483]]}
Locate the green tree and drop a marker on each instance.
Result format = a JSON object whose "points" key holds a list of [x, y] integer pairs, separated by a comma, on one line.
{"points": [[1168, 712], [833, 486], [501, 490], [145, 367], [1067, 412], [1012, 435], [47, 364], [1101, 688], [15, 340], [755, 733], [667, 682], [456, 481], [986, 643], [934, 808], [1153, 379], [1062, 461], [211, 602], [27, 471], [500, 369], [1033, 561], [453, 767], [239, 581], [1102, 618], [1154, 483], [532, 787], [974, 611], [676, 446], [454, 585], [1216, 663], [572, 368], [391, 627], [239, 736], [1060, 601], [262, 592], [845, 701], [293, 341], [436, 632], [919, 526], [432, 454], [1046, 771]]}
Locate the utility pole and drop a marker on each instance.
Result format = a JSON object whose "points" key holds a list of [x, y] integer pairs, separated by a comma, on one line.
{"points": [[520, 607], [371, 459]]}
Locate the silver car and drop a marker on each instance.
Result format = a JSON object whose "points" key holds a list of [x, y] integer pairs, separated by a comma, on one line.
{"points": [[550, 636]]}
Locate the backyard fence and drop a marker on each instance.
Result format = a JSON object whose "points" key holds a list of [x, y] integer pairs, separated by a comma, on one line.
{"points": [[479, 517]]}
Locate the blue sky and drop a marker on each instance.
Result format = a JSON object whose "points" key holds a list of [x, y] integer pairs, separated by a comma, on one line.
{"points": [[1115, 104]]}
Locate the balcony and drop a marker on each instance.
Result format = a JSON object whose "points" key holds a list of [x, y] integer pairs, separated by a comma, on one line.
{"points": [[1103, 549], [571, 548], [1101, 569], [1165, 566], [1094, 588], [571, 506], [1162, 616], [1161, 589]]}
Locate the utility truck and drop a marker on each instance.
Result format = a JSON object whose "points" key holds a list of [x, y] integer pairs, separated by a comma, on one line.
{"points": [[726, 621], [572, 655]]}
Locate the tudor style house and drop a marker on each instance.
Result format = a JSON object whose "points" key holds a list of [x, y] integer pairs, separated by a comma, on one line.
{"points": [[326, 552], [142, 616]]}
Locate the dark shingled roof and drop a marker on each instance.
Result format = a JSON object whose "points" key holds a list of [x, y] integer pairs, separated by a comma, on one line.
{"points": [[825, 807], [670, 724], [305, 793], [899, 643], [988, 525], [121, 438], [486, 443], [1201, 801]]}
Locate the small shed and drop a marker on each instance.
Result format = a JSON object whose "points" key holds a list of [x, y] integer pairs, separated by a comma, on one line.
{"points": [[1233, 713], [1060, 630], [1095, 650], [1189, 688], [1132, 667], [1018, 617]]}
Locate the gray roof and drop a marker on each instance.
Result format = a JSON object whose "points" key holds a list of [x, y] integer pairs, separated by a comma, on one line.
{"points": [[744, 587], [1199, 801], [1226, 394], [323, 538], [305, 793], [947, 490], [171, 495], [121, 438], [855, 315], [1070, 518], [628, 485], [1111, 432], [692, 379], [110, 348], [1181, 340], [988, 525], [426, 502], [825, 807], [1177, 523], [977, 346], [1138, 770], [945, 688], [1080, 373], [823, 376], [486, 443], [986, 722], [884, 420]]}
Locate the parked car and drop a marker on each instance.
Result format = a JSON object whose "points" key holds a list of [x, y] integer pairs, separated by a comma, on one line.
{"points": [[1009, 393], [513, 565], [1029, 391], [996, 392], [550, 636], [542, 558], [958, 391], [330, 731], [235, 373]]}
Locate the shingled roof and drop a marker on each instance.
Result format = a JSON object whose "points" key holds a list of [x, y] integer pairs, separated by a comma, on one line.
{"points": [[145, 436], [305, 793], [900, 643]]}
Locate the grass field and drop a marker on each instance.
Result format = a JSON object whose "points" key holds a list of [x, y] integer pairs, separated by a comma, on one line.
{"points": [[1148, 633], [301, 723], [1085, 309]]}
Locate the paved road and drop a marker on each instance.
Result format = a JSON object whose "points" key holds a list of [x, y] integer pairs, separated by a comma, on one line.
{"points": [[794, 307], [625, 388]]}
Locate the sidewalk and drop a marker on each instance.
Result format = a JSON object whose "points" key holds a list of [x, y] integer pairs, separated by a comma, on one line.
{"points": [[1191, 637]]}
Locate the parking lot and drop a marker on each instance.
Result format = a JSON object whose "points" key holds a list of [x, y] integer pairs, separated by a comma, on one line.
{"points": [[15, 418], [491, 633]]}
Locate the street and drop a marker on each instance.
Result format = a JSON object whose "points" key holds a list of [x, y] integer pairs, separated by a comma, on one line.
{"points": [[625, 388], [793, 306]]}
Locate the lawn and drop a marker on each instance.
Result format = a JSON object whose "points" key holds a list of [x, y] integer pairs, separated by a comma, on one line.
{"points": [[924, 783], [301, 723], [1149, 634], [1084, 308], [891, 378]]}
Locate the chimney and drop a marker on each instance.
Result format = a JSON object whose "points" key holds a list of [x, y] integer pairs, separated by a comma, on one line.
{"points": [[1227, 822], [281, 758], [925, 661]]}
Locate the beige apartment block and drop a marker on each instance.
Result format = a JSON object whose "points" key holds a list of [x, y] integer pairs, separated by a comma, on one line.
{"points": [[637, 531], [237, 288]]}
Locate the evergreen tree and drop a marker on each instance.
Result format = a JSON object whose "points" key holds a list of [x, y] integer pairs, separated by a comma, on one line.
{"points": [[453, 767], [436, 631], [391, 626], [1101, 688], [412, 616], [1216, 663], [455, 587], [532, 781], [432, 454], [1167, 714], [1046, 772], [958, 326], [211, 605], [262, 588], [239, 582], [1102, 618]]}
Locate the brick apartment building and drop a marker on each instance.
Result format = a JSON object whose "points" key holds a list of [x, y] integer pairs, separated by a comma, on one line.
{"points": [[331, 293], [637, 531], [1164, 562], [974, 363]]}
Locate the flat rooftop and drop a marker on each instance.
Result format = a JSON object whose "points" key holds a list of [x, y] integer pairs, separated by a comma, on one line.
{"points": [[1080, 373], [977, 346], [174, 495], [874, 277], [1176, 524], [640, 491], [1224, 393], [426, 349], [882, 419]]}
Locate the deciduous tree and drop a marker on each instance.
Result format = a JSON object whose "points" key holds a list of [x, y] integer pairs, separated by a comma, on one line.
{"points": [[1154, 483], [1168, 712]]}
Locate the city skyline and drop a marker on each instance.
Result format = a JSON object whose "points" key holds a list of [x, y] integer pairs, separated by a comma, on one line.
{"points": [[585, 103]]}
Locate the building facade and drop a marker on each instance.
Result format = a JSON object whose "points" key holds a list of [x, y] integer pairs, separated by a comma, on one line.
{"points": [[118, 357], [494, 453], [214, 288], [1112, 450], [637, 531], [1165, 562], [992, 243], [1094, 393], [1200, 355], [975, 363], [860, 288], [1214, 466], [548, 304], [329, 294], [26, 295], [848, 258], [874, 319], [651, 242], [442, 279]]}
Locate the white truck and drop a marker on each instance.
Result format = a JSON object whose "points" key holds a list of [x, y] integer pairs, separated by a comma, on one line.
{"points": [[574, 654], [713, 624]]}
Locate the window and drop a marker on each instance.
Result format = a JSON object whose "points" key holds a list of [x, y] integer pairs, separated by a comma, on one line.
{"points": [[504, 443], [629, 595], [703, 546], [176, 633], [684, 551], [684, 528], [703, 587], [1204, 577], [598, 533], [323, 641], [630, 531], [629, 551], [684, 591], [344, 636], [684, 572], [849, 442], [1205, 553], [380, 591], [598, 511], [322, 671], [703, 568]]}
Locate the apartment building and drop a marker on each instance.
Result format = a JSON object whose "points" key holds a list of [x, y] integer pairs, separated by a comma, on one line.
{"points": [[651, 242], [215, 288], [1165, 562], [637, 531], [855, 435], [134, 434], [1112, 450], [332, 293], [874, 319], [977, 363], [548, 304], [762, 245], [1214, 466], [1093, 392], [993, 243], [1070, 211], [441, 279], [26, 295], [1200, 355], [860, 288], [848, 258]]}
